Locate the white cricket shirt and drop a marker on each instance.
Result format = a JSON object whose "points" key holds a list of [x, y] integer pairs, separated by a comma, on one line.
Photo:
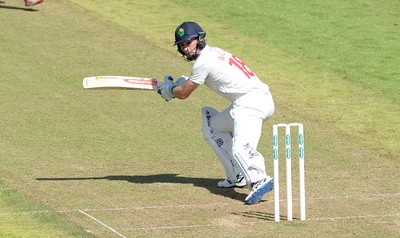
{"points": [[225, 74]]}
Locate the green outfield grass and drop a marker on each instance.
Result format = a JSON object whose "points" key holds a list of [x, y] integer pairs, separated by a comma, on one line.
{"points": [[77, 163]]}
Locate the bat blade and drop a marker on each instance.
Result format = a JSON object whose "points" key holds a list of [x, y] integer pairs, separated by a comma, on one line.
{"points": [[120, 82]]}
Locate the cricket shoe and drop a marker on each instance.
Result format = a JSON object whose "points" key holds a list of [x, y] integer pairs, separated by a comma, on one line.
{"points": [[227, 183], [258, 190], [30, 3]]}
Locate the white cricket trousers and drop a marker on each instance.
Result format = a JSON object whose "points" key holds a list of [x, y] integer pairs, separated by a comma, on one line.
{"points": [[244, 119]]}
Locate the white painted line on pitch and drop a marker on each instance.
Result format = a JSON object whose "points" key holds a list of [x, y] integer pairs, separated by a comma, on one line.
{"points": [[22, 213], [238, 203], [102, 223], [260, 221], [372, 195], [173, 227], [197, 205], [118, 209], [352, 217], [162, 207], [33, 212]]}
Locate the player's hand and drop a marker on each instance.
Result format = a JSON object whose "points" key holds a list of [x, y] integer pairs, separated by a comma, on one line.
{"points": [[165, 90], [181, 80]]}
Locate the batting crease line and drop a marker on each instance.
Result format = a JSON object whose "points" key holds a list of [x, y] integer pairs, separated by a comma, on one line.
{"points": [[158, 207], [114, 209], [22, 213], [227, 204], [258, 222], [352, 217], [102, 223], [358, 195], [184, 206], [33, 212], [172, 227]]}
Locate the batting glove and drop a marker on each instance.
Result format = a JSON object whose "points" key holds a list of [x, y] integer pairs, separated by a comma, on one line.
{"points": [[181, 80], [165, 90]]}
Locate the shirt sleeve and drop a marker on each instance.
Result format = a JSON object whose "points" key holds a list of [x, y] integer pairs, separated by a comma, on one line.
{"points": [[199, 73]]}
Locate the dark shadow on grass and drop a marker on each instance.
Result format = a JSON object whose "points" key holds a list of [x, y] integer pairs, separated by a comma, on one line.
{"points": [[259, 215], [17, 8], [209, 184]]}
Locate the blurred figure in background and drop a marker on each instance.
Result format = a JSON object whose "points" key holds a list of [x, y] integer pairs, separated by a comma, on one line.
{"points": [[29, 3]]}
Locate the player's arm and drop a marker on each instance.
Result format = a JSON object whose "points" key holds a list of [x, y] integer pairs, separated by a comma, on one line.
{"points": [[183, 91], [186, 85]]}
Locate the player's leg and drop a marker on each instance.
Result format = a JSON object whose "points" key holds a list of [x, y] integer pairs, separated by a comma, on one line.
{"points": [[220, 141], [247, 132], [245, 141]]}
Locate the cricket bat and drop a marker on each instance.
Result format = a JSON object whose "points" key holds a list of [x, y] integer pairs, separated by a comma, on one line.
{"points": [[120, 82]]}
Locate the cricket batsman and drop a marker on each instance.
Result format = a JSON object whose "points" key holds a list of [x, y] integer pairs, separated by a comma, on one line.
{"points": [[233, 133]]}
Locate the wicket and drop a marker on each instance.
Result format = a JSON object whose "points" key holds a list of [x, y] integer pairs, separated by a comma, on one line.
{"points": [[289, 170]]}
